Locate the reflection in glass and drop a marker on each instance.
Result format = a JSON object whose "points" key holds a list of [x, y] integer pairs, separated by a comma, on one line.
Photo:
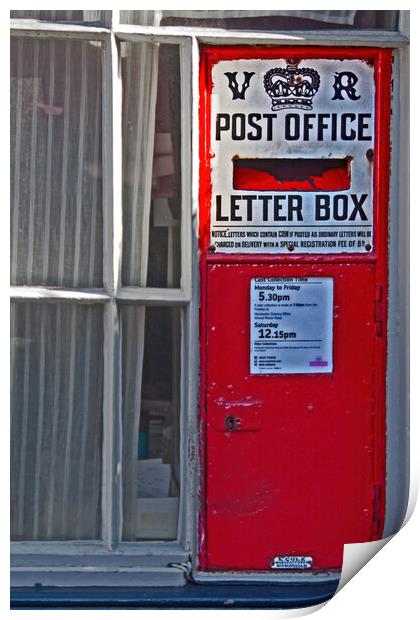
{"points": [[56, 422], [151, 378], [56, 163], [151, 165], [266, 20]]}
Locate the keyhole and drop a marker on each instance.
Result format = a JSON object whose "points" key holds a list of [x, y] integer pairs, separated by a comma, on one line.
{"points": [[230, 422]]}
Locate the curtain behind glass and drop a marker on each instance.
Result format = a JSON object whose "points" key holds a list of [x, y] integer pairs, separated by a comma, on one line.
{"points": [[56, 426], [85, 17], [56, 163], [151, 165]]}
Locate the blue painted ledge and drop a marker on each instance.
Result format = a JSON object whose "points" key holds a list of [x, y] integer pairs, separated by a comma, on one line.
{"points": [[191, 596]]}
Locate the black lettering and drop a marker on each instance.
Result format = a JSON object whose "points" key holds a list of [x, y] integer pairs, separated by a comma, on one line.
{"points": [[345, 81], [251, 122], [307, 125], [344, 119], [269, 118], [265, 201], [238, 134], [361, 126], [289, 135], [219, 216], [322, 125], [322, 208], [238, 93], [294, 205], [234, 207], [333, 127], [340, 213], [358, 207], [249, 199], [222, 124], [277, 207]]}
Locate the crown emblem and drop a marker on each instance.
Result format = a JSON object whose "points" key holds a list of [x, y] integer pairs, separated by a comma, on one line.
{"points": [[291, 87]]}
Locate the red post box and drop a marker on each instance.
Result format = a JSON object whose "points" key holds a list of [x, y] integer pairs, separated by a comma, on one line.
{"points": [[293, 237]]}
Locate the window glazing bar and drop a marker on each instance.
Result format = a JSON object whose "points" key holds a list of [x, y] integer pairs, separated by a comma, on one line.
{"points": [[112, 165], [30, 27], [41, 293]]}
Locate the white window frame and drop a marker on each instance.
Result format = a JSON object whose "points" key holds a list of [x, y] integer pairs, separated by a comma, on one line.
{"points": [[110, 561]]}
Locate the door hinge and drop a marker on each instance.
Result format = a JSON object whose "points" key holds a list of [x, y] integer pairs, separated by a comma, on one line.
{"points": [[376, 520], [379, 310]]}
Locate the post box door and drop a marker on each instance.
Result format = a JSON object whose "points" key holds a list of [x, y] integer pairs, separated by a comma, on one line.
{"points": [[293, 240], [295, 475]]}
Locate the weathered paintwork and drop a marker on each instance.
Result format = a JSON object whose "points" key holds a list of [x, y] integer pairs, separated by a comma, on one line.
{"points": [[305, 471]]}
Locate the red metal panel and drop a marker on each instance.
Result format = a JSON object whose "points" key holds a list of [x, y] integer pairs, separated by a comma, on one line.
{"points": [[308, 475], [302, 483]]}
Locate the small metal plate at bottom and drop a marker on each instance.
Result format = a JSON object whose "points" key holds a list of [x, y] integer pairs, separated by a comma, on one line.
{"points": [[292, 562]]}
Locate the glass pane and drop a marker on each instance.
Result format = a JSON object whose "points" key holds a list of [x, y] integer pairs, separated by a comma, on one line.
{"points": [[56, 427], [265, 20], [151, 418], [56, 163], [91, 17], [151, 165]]}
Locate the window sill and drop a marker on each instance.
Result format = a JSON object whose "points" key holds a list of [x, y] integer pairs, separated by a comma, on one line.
{"points": [[93, 576], [91, 564]]}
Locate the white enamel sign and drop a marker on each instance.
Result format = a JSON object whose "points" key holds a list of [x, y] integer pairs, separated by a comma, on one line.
{"points": [[292, 156], [291, 325]]}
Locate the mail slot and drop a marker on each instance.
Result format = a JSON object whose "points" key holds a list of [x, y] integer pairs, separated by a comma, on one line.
{"points": [[293, 240]]}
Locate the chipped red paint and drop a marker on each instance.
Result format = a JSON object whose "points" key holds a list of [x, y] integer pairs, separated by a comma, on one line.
{"points": [[310, 476]]}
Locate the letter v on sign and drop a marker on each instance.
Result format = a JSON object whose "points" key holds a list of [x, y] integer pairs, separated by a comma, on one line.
{"points": [[238, 93]]}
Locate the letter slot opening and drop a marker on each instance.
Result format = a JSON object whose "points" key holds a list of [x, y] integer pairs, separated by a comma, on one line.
{"points": [[305, 175]]}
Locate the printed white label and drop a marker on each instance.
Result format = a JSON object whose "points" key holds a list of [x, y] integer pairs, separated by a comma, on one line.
{"points": [[291, 325], [292, 561], [292, 156]]}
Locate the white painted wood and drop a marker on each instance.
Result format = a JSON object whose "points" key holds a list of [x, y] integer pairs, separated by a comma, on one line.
{"points": [[190, 362], [269, 577], [216, 36], [152, 34], [148, 296], [96, 548], [404, 23], [32, 27], [112, 429], [115, 18], [153, 296], [186, 165], [43, 293], [112, 166], [398, 355], [97, 576]]}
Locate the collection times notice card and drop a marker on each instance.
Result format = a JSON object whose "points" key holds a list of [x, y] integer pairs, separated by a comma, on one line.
{"points": [[291, 325]]}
